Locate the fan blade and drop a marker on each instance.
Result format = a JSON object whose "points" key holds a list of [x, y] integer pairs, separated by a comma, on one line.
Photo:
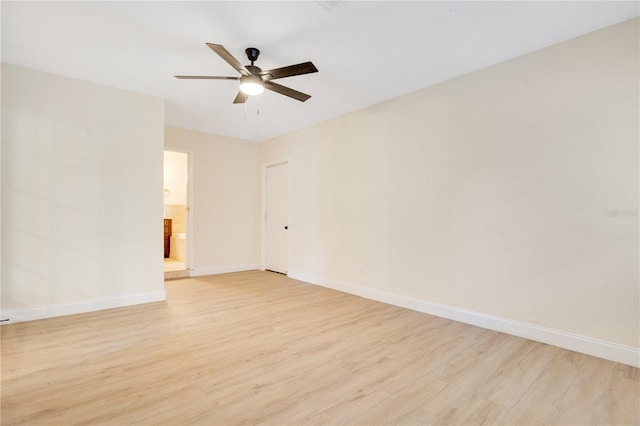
{"points": [[240, 98], [275, 87], [228, 57], [291, 70], [205, 77]]}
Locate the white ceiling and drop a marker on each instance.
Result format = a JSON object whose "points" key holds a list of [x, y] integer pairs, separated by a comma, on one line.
{"points": [[366, 52]]}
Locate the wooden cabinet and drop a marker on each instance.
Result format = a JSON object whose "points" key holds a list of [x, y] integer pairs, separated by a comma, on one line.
{"points": [[167, 237]]}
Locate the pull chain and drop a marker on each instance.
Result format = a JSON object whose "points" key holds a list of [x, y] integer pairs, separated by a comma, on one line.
{"points": [[244, 106]]}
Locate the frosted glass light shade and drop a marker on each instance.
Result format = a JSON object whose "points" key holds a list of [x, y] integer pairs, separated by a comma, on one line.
{"points": [[251, 85]]}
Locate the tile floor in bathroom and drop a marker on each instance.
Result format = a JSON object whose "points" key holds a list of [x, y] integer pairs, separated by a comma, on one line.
{"points": [[171, 265]]}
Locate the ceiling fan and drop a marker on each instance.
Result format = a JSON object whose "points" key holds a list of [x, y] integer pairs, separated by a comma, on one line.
{"points": [[252, 79]]}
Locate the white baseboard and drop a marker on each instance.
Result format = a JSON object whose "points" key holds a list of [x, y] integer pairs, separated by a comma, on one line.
{"points": [[82, 307], [223, 269], [574, 342]]}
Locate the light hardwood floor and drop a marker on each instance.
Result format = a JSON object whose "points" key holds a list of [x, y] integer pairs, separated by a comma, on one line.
{"points": [[258, 347]]}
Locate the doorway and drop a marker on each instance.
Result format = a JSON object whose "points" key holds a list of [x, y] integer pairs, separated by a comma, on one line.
{"points": [[276, 248], [177, 197]]}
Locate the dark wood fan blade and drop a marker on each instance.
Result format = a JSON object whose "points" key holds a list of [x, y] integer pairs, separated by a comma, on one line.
{"points": [[228, 57], [278, 88], [291, 70], [240, 98], [205, 77]]}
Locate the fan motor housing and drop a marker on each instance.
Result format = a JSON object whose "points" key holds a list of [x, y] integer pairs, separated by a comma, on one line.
{"points": [[253, 69]]}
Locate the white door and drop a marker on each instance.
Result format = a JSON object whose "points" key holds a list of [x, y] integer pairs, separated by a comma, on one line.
{"points": [[277, 218]]}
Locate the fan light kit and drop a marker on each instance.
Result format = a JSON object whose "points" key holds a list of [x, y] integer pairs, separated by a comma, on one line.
{"points": [[252, 79], [251, 85]]}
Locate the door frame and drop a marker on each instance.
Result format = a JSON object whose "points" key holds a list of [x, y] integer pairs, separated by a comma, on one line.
{"points": [[189, 233], [263, 211]]}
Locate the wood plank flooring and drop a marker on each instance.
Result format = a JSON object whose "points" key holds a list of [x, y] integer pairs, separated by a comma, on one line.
{"points": [[261, 348]]}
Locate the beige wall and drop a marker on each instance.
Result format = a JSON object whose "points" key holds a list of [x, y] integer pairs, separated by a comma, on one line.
{"points": [[178, 215], [226, 200], [175, 178], [494, 192], [73, 154]]}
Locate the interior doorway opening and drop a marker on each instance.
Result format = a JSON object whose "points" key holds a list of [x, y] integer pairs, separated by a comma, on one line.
{"points": [[176, 213]]}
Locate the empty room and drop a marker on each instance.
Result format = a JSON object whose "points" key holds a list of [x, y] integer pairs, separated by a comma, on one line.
{"points": [[408, 213]]}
